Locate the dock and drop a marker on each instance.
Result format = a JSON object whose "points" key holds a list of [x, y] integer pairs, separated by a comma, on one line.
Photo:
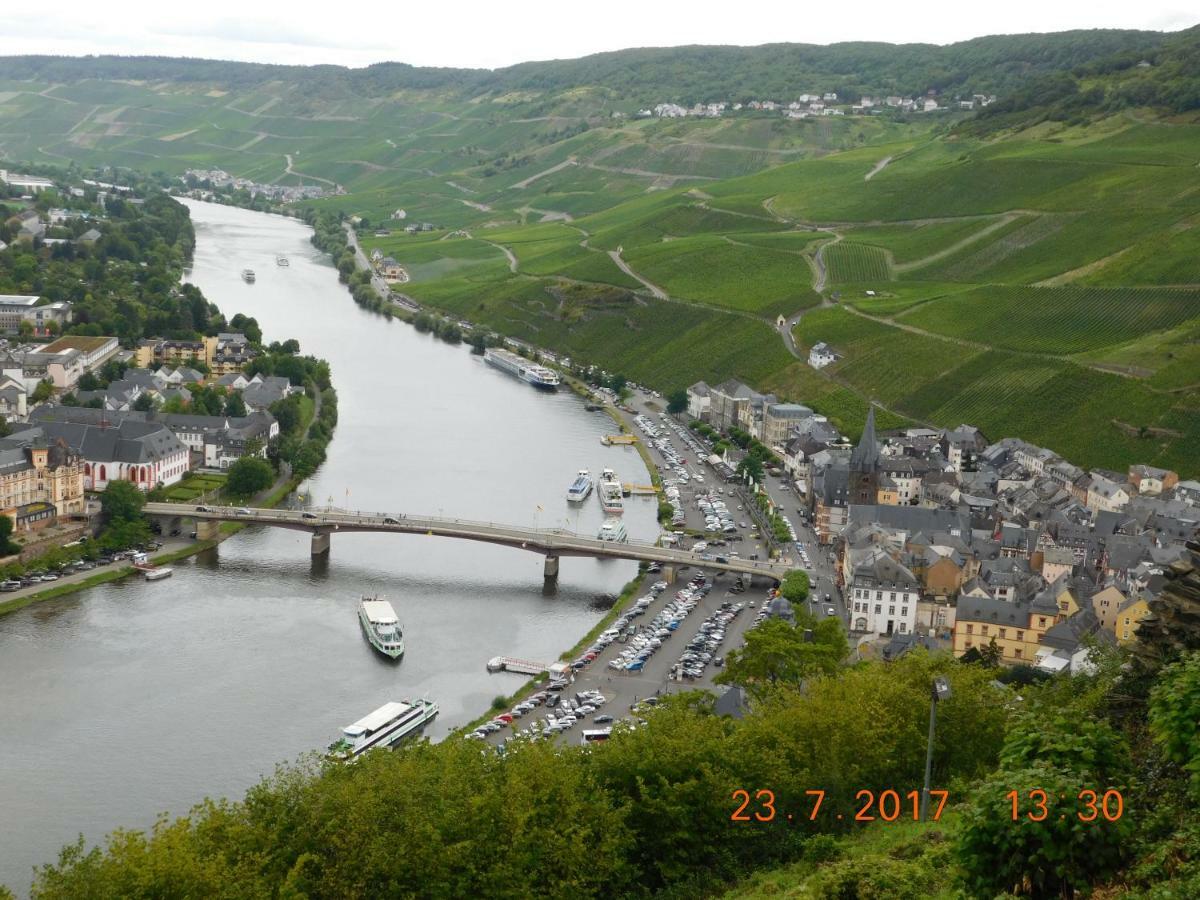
{"points": [[521, 666], [610, 440], [638, 489]]}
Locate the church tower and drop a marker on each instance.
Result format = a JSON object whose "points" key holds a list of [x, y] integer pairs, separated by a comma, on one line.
{"points": [[863, 482]]}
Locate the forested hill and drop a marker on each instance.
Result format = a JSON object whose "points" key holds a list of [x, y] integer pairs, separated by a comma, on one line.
{"points": [[1166, 78], [996, 64]]}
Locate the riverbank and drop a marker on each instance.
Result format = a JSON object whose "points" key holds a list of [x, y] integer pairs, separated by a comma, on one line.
{"points": [[81, 581]]}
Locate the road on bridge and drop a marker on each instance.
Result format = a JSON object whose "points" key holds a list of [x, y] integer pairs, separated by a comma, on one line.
{"points": [[550, 542]]}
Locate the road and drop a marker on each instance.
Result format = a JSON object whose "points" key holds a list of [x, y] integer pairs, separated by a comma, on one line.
{"points": [[821, 576]]}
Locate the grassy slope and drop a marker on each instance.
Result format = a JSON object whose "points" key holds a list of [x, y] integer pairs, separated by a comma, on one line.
{"points": [[968, 226]]}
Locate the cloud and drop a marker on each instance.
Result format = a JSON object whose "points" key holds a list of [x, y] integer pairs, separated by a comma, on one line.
{"points": [[263, 32]]}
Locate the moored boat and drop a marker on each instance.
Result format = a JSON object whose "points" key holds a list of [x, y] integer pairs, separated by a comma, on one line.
{"points": [[248, 276], [281, 260], [613, 529], [530, 372], [580, 487], [381, 627], [609, 492], [387, 725]]}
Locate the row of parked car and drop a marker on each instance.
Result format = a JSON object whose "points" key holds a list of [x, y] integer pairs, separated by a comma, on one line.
{"points": [[649, 638], [82, 565], [702, 649], [563, 713], [717, 517]]}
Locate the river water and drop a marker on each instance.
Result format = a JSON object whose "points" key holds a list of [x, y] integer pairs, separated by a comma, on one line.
{"points": [[136, 698]]}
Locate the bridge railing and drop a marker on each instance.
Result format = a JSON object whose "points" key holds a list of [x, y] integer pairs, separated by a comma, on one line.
{"points": [[450, 522]]}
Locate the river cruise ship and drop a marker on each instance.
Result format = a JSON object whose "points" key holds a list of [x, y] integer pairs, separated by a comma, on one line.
{"points": [[530, 372], [580, 487], [613, 529], [389, 724], [609, 492], [381, 627]]}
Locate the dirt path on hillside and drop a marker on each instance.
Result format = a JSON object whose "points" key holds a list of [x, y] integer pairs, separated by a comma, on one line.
{"points": [[957, 245], [512, 259], [879, 167], [654, 289], [290, 171], [569, 161]]}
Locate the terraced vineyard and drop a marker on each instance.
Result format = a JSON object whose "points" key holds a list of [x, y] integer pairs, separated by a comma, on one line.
{"points": [[856, 263], [1062, 320]]}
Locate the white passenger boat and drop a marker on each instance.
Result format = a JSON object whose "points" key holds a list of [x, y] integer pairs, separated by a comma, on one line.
{"points": [[580, 487], [609, 492], [381, 627], [613, 529], [390, 723], [527, 371]]}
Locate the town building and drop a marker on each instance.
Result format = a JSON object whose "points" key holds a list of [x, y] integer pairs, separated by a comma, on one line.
{"points": [[882, 595], [698, 400], [40, 480], [18, 308], [778, 421]]}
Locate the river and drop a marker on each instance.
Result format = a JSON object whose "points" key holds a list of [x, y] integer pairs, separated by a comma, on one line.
{"points": [[135, 698]]}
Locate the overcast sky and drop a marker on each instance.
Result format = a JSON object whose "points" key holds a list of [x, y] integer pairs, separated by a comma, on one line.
{"points": [[497, 33]]}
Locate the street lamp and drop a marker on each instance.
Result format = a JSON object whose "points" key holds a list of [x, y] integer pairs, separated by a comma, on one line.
{"points": [[940, 692]]}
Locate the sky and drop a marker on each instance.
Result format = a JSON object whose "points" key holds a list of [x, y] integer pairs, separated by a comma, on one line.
{"points": [[477, 34]]}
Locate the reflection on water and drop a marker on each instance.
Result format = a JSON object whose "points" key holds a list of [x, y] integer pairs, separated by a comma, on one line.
{"points": [[135, 698]]}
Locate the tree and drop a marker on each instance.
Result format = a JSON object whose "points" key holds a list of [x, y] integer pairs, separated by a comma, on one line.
{"points": [[43, 392], [235, 405], [777, 652], [795, 586], [677, 402], [122, 502], [7, 547], [1175, 715], [25, 328], [1052, 853], [751, 465], [89, 382], [248, 476], [144, 403]]}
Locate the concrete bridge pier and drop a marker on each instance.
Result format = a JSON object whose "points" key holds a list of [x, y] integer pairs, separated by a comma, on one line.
{"points": [[207, 529], [320, 542], [550, 570], [668, 574]]}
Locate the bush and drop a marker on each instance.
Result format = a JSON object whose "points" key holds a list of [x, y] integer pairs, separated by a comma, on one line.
{"points": [[1175, 715]]}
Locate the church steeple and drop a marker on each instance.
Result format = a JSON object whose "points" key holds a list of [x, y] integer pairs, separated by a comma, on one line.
{"points": [[863, 481], [865, 457]]}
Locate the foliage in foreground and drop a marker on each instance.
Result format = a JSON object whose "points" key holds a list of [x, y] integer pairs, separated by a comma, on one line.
{"points": [[645, 811]]}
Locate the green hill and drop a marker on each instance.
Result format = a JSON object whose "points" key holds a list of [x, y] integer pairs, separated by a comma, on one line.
{"points": [[1023, 267]]}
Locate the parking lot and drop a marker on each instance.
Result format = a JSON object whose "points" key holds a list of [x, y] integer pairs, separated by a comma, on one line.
{"points": [[674, 637], [639, 659]]}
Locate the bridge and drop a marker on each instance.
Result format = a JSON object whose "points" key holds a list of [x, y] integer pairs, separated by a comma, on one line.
{"points": [[552, 543]]}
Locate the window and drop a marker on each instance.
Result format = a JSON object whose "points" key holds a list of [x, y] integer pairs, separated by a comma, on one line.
{"points": [[1017, 652], [1003, 634], [970, 628], [878, 609], [1020, 635], [892, 597], [891, 610], [983, 630], [1125, 636], [904, 611], [1041, 621]]}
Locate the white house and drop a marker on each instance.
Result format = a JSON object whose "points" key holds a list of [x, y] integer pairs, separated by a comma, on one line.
{"points": [[821, 355], [699, 400], [883, 596]]}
